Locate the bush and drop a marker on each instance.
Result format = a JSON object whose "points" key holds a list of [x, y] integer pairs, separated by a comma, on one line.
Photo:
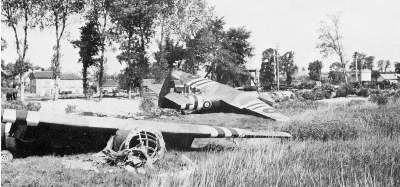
{"points": [[364, 92], [147, 105], [19, 105], [70, 109], [323, 130], [380, 99]]}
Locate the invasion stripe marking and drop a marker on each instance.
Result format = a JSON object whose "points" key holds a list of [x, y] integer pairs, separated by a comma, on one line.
{"points": [[190, 83], [10, 115], [249, 104], [235, 134], [227, 132], [201, 83], [204, 84], [252, 107], [221, 133], [32, 118], [196, 102], [21, 115], [258, 107]]}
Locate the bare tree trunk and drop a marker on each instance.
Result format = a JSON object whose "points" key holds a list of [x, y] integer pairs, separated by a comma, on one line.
{"points": [[101, 67]]}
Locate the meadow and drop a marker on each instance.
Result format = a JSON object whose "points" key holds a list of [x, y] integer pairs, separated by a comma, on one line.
{"points": [[354, 143]]}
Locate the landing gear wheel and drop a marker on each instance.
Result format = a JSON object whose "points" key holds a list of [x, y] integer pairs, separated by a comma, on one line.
{"points": [[6, 156]]}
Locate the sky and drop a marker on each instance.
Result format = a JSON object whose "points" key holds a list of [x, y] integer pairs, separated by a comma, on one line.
{"points": [[368, 26]]}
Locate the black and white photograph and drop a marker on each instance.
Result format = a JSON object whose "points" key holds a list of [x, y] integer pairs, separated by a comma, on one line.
{"points": [[200, 93]]}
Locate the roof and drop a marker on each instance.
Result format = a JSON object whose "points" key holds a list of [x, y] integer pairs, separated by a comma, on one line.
{"points": [[391, 76], [49, 75], [110, 83]]}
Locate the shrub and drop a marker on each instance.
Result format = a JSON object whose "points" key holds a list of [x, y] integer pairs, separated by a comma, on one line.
{"points": [[146, 104], [70, 109], [364, 92], [380, 99], [19, 105], [341, 92], [323, 130]]}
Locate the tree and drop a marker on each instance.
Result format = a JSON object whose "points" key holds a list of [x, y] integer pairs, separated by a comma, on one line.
{"points": [[314, 70], [397, 67], [330, 40], [363, 61], [14, 13], [335, 74], [267, 70], [57, 15], [134, 25], [99, 13], [229, 64], [89, 46], [166, 58], [203, 48], [287, 66], [383, 65]]}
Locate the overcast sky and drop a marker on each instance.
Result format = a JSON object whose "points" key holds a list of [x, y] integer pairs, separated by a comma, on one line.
{"points": [[369, 26]]}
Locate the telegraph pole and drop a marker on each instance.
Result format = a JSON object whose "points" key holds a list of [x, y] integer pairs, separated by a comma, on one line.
{"points": [[277, 67], [356, 55]]}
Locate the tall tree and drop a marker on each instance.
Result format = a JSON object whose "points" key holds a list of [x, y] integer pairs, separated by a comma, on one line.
{"points": [[267, 70], [363, 61], [166, 58], [57, 15], [16, 13], [230, 61], [134, 25], [383, 65], [287, 66], [99, 12], [314, 70], [330, 40], [336, 75], [89, 46], [397, 67]]}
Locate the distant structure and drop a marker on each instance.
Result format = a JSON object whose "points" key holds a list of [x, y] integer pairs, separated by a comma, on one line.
{"points": [[109, 85], [391, 78], [42, 83], [364, 76]]}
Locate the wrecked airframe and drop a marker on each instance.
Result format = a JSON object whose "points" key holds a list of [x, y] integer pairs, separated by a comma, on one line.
{"points": [[190, 92], [129, 140]]}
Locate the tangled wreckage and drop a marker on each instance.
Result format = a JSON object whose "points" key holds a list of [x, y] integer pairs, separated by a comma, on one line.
{"points": [[133, 143]]}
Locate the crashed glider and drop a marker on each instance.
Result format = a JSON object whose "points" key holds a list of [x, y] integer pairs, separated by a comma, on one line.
{"points": [[35, 130], [190, 92]]}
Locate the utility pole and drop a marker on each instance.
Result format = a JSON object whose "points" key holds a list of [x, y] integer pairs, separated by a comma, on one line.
{"points": [[356, 55], [277, 68]]}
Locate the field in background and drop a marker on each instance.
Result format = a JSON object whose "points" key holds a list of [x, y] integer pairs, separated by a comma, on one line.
{"points": [[350, 143]]}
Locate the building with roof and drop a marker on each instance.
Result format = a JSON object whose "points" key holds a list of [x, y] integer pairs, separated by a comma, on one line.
{"points": [[392, 78], [109, 85], [42, 83]]}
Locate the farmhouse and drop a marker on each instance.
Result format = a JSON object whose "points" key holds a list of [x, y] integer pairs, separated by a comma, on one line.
{"points": [[389, 77], [109, 85], [42, 83]]}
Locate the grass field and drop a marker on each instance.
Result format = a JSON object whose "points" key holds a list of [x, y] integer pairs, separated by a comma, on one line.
{"points": [[353, 143]]}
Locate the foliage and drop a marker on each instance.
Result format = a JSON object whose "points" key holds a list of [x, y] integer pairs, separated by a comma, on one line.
{"points": [[363, 61], [134, 25], [397, 67], [89, 45], [383, 65], [380, 99], [70, 109], [314, 70], [287, 66], [267, 70], [56, 15], [20, 105], [336, 75], [166, 58], [330, 39], [364, 92]]}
